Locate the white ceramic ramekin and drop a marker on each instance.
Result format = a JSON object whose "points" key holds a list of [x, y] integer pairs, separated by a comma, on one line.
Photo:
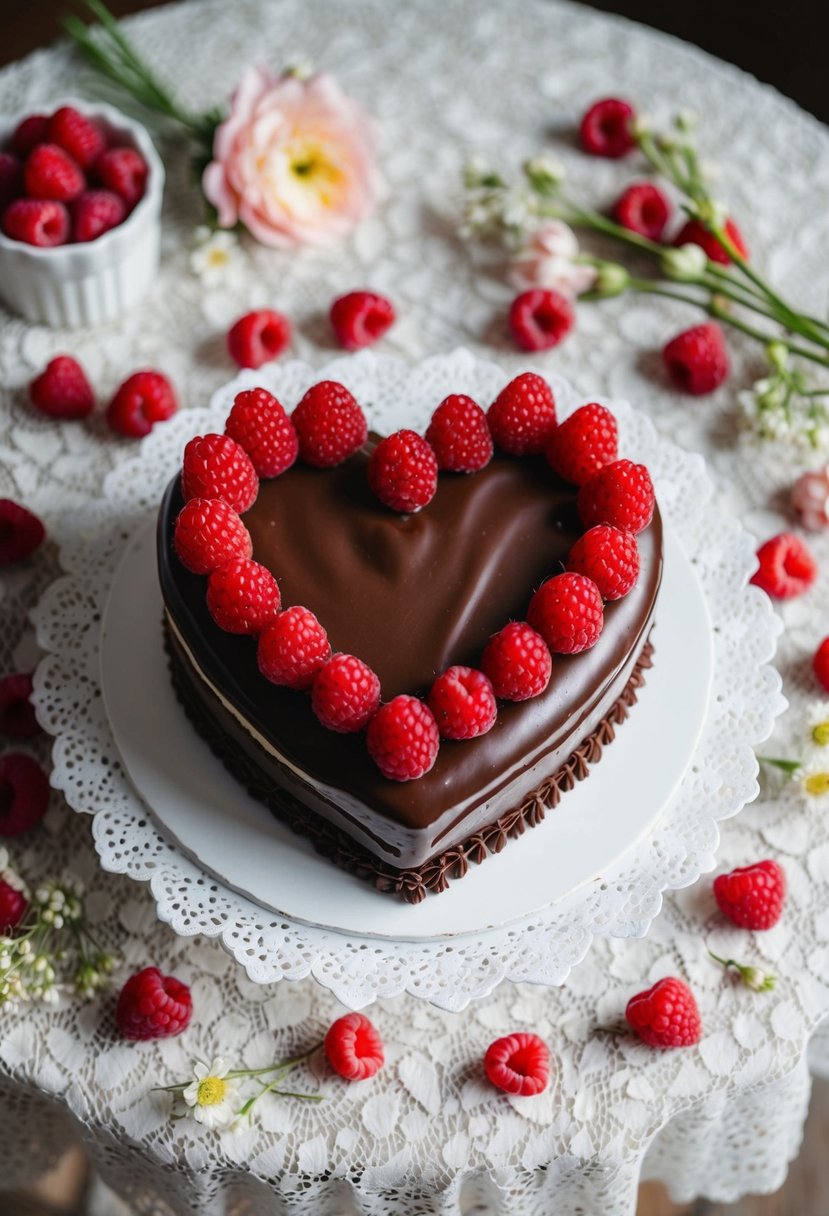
{"points": [[98, 280]]}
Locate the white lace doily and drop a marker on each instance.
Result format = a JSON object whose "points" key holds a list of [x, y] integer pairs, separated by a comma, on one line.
{"points": [[425, 1136], [745, 697]]}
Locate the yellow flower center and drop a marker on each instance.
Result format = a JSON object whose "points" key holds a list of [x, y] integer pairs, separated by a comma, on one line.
{"points": [[817, 784], [212, 1091], [313, 168], [820, 734]]}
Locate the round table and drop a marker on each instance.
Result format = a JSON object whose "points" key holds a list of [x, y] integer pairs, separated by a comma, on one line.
{"points": [[427, 1135]]}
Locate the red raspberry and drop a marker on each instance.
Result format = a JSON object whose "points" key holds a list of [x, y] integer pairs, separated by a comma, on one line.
{"points": [[329, 424], [607, 128], [24, 793], [583, 443], [666, 1015], [29, 133], [260, 425], [360, 318], [568, 612], [523, 415], [620, 494], [62, 389], [13, 907], [403, 738], [403, 471], [643, 208], [609, 557], [37, 222], [242, 596], [752, 896], [145, 398], [258, 337], [94, 213], [820, 664], [459, 436], [518, 1064], [17, 714], [11, 179], [787, 567], [697, 359], [21, 532], [293, 648], [216, 466], [52, 173], [78, 135], [209, 533], [694, 232], [153, 1006], [540, 318], [463, 702], [124, 171], [353, 1047], [517, 662], [345, 694]]}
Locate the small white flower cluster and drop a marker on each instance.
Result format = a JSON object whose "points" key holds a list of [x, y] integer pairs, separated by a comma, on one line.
{"points": [[60, 903], [813, 773], [494, 210], [779, 406]]}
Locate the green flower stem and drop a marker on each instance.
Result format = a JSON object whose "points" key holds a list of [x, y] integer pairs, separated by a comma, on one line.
{"points": [[281, 1067], [785, 766]]}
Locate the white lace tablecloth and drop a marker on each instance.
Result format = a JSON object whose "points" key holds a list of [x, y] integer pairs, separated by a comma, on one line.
{"points": [[427, 1136]]}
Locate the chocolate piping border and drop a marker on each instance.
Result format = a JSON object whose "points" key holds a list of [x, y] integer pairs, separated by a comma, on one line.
{"points": [[413, 885]]}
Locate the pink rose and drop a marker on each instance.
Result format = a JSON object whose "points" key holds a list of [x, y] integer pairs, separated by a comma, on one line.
{"points": [[550, 261], [810, 499], [294, 161]]}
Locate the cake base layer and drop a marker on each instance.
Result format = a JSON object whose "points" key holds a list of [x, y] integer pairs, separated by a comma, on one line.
{"points": [[411, 884]]}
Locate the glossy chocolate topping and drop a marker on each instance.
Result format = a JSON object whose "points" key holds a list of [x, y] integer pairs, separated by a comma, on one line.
{"points": [[412, 595]]}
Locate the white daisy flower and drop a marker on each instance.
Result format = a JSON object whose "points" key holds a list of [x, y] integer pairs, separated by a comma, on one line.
{"points": [[813, 779], [817, 725], [211, 1096], [217, 256]]}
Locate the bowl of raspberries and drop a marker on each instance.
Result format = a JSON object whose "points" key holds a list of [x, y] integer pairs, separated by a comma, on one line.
{"points": [[80, 214]]}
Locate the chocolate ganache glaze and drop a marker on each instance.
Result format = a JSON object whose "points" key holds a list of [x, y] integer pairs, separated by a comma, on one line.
{"points": [[411, 595]]}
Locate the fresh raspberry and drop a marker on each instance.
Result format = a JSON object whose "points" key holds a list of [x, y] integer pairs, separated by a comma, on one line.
{"points": [[752, 896], [17, 714], [24, 793], [345, 694], [568, 612], [353, 1047], [242, 596], [459, 436], [62, 389], [403, 738], [787, 567], [293, 648], [329, 424], [13, 907], [52, 173], [694, 232], [583, 443], [360, 318], [11, 179], [620, 494], [540, 318], [523, 415], [216, 466], [153, 1006], [697, 359], [37, 222], [258, 337], [145, 398], [403, 471], [94, 213], [124, 171], [209, 533], [260, 425], [463, 702], [607, 128], [609, 557], [518, 1064], [820, 664], [517, 662], [29, 133], [643, 208], [21, 532], [666, 1015], [78, 135]]}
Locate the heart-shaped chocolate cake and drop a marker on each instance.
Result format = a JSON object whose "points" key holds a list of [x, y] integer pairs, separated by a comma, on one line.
{"points": [[410, 594]]}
